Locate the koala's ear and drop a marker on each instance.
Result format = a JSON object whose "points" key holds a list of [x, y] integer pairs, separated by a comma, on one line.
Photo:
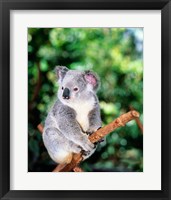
{"points": [[92, 79], [61, 72]]}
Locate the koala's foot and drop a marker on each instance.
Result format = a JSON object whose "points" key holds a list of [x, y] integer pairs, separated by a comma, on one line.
{"points": [[85, 143], [85, 153]]}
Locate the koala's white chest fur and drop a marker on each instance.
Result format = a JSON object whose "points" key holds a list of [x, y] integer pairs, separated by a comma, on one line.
{"points": [[82, 109]]}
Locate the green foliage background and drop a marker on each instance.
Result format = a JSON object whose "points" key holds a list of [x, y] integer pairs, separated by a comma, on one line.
{"points": [[116, 55]]}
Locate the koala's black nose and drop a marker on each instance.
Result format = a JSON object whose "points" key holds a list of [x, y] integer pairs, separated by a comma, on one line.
{"points": [[66, 93]]}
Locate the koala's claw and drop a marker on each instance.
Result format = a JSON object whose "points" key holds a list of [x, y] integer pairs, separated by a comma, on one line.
{"points": [[88, 133], [85, 153], [91, 132], [101, 140]]}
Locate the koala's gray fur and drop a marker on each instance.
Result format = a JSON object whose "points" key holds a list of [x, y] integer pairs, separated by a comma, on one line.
{"points": [[74, 116]]}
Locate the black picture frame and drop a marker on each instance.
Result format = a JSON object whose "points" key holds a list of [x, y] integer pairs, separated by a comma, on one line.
{"points": [[5, 7]]}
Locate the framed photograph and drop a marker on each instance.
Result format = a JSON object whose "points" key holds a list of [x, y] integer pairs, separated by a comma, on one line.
{"points": [[85, 99]]}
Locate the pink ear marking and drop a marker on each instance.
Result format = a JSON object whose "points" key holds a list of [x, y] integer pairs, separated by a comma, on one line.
{"points": [[91, 79]]}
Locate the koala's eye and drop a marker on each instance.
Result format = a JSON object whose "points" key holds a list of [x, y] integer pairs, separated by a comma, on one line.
{"points": [[75, 89], [62, 88]]}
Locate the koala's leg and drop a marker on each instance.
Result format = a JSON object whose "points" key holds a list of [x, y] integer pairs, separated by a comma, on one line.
{"points": [[59, 148], [88, 154]]}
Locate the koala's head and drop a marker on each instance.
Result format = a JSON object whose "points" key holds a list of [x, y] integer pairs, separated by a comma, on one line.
{"points": [[76, 85]]}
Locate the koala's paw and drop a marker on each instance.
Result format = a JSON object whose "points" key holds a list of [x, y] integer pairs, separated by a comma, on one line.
{"points": [[91, 131], [86, 144]]}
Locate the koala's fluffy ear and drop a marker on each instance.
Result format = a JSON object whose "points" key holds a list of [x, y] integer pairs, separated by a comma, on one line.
{"points": [[61, 72], [92, 79]]}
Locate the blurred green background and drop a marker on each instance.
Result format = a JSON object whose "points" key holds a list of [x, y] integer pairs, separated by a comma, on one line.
{"points": [[116, 55]]}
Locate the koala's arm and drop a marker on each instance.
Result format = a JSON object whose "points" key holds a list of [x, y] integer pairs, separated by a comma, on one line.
{"points": [[95, 123], [94, 119], [69, 127]]}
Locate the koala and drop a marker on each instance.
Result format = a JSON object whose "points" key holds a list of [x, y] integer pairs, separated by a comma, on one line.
{"points": [[73, 117]]}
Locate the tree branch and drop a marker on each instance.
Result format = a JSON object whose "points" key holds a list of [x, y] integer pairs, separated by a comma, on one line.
{"points": [[139, 124], [95, 137]]}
